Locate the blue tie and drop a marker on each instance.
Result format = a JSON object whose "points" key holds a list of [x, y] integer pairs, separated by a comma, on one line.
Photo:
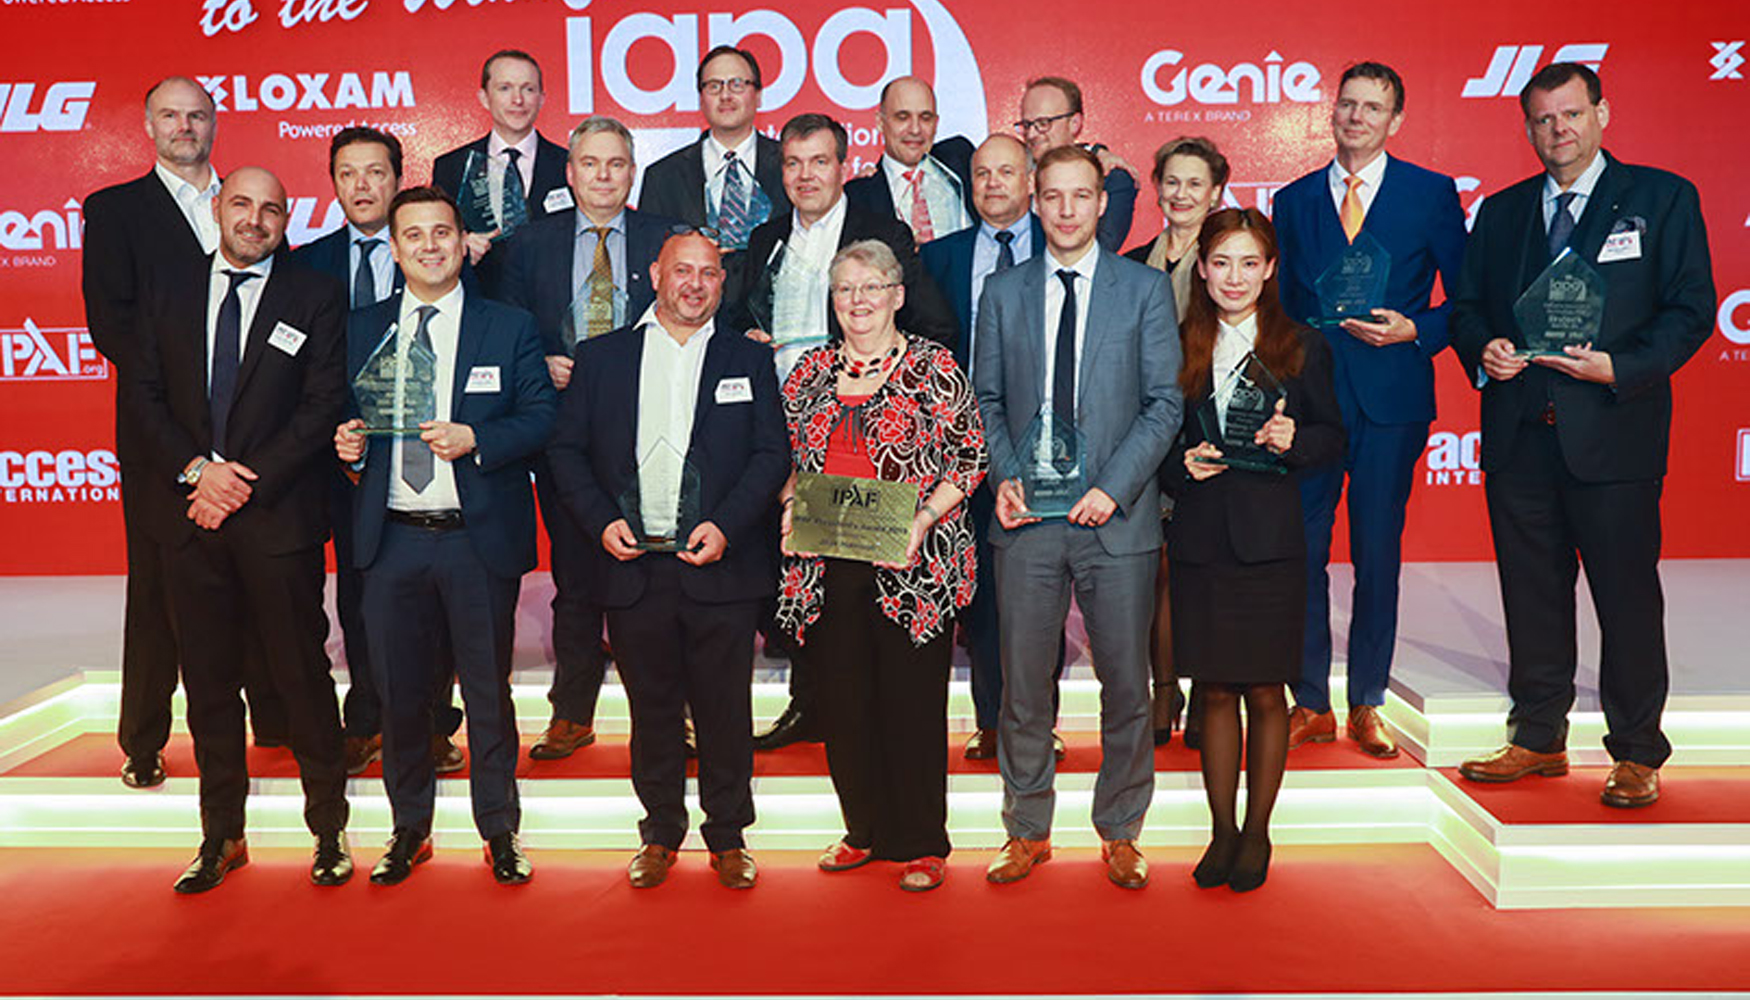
{"points": [[222, 385], [1005, 250], [417, 464], [364, 280], [733, 221], [1561, 225]]}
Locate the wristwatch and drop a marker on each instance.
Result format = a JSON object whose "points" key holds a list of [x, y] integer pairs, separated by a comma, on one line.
{"points": [[191, 476]]}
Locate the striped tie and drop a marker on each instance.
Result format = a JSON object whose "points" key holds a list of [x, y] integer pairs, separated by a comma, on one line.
{"points": [[921, 226], [418, 467], [733, 221]]}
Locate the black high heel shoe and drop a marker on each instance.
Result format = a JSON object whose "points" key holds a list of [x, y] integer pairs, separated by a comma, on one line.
{"points": [[1175, 706], [1216, 867], [1249, 878]]}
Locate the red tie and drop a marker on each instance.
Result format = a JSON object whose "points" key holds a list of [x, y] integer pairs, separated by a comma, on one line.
{"points": [[920, 207]]}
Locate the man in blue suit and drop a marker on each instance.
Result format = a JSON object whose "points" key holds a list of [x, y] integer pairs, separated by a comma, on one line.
{"points": [[925, 183], [1385, 384], [582, 272], [667, 390], [444, 528]]}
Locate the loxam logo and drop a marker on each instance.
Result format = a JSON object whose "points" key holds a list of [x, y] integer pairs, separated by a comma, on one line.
{"points": [[1455, 459], [1726, 60], [1512, 66], [66, 476], [311, 91], [43, 230], [53, 354], [62, 108], [1209, 84]]}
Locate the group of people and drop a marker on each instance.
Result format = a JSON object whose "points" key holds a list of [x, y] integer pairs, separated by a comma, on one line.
{"points": [[664, 375]]}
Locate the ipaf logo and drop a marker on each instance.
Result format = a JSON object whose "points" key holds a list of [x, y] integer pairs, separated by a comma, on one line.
{"points": [[68, 475], [46, 229], [31, 353], [1512, 66], [1454, 458], [62, 107], [371, 89]]}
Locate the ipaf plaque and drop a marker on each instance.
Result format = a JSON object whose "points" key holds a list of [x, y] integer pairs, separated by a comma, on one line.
{"points": [[847, 517]]}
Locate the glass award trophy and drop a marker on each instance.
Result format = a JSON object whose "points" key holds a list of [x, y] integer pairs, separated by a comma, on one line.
{"points": [[1564, 307], [479, 213], [662, 503], [1252, 392], [1053, 463], [396, 389], [847, 517], [1354, 285], [590, 316]]}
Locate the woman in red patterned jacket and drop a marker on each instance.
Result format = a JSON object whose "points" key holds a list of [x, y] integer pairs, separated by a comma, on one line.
{"points": [[882, 405]]}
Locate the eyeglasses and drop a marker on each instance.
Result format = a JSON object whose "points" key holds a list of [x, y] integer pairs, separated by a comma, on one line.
{"points": [[683, 229], [736, 85], [1027, 126], [868, 289]]}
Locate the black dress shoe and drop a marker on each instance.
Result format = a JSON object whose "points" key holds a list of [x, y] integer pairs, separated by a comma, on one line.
{"points": [[332, 862], [217, 856], [406, 849], [143, 772], [1217, 863], [272, 741], [510, 866], [790, 727], [1252, 874]]}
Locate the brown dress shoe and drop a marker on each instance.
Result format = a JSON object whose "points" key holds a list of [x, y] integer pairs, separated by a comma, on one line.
{"points": [[650, 866], [1308, 726], [1510, 763], [981, 745], [562, 738], [1631, 785], [1125, 865], [362, 752], [1017, 858], [1367, 728], [735, 868], [446, 756]]}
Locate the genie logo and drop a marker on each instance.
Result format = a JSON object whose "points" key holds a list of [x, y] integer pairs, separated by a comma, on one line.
{"points": [[1208, 83], [46, 229], [62, 108]]}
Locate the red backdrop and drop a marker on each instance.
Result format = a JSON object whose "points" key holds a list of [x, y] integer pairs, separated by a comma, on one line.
{"points": [[287, 73]]}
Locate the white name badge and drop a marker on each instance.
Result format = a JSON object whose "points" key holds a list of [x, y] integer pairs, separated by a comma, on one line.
{"points": [[287, 338], [734, 390], [1620, 246], [557, 200], [483, 378]]}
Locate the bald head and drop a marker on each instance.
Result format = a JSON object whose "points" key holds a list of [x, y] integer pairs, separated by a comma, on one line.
{"points": [[180, 122], [907, 119], [251, 212], [1002, 180], [688, 276]]}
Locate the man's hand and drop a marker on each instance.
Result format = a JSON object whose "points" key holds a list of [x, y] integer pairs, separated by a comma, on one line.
{"points": [[1500, 362], [760, 336], [869, 169], [207, 515], [449, 441], [1582, 363], [1277, 434], [225, 485], [618, 540], [1110, 161], [478, 244], [1202, 461], [1392, 327], [559, 370], [705, 545], [1093, 509], [1012, 504], [349, 444]]}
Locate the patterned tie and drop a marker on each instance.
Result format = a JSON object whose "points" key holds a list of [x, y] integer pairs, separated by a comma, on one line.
{"points": [[1561, 224], [733, 221], [513, 174], [227, 351], [1063, 374], [601, 286], [418, 465], [1352, 213], [364, 280], [920, 207], [1005, 250]]}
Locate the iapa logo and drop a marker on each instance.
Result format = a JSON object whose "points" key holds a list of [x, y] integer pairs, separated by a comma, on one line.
{"points": [[311, 91], [50, 354], [61, 109], [65, 476], [1726, 60], [1513, 65]]}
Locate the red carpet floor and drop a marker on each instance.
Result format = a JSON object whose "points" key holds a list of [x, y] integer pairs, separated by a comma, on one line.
{"points": [[1330, 920]]}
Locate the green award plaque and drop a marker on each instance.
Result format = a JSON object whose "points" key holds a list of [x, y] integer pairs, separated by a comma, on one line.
{"points": [[396, 389], [1563, 308], [1252, 391]]}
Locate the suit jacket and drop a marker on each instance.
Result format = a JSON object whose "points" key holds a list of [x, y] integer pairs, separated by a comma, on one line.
{"points": [[538, 262], [282, 418], [948, 262], [874, 193], [332, 255], [740, 449], [925, 313], [1255, 516], [511, 426], [1658, 311], [1128, 403], [550, 157], [674, 186], [1114, 225], [1416, 217]]}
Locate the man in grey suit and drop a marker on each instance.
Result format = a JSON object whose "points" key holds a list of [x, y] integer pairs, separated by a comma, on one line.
{"points": [[1082, 332]]}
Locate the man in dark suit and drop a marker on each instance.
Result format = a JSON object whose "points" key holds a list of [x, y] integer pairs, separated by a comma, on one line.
{"points": [[1385, 383], [582, 272], [667, 389], [444, 527], [1007, 234], [690, 183], [1110, 363], [1051, 116], [151, 233], [233, 391], [1574, 446], [925, 183]]}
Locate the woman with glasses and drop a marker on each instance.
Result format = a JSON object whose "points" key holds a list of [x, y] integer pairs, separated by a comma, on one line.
{"points": [[883, 405]]}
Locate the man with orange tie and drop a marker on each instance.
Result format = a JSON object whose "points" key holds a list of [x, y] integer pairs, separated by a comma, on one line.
{"points": [[1385, 383], [927, 184]]}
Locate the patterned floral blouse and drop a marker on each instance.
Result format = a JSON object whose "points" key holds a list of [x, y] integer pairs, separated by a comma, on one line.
{"points": [[920, 427]]}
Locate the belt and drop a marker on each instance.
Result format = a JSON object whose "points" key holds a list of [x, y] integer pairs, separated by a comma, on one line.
{"points": [[430, 520]]}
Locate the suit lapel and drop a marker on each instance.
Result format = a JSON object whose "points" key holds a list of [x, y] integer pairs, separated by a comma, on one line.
{"points": [[1035, 338], [1601, 211], [710, 373], [470, 337], [274, 298], [1094, 333], [693, 174], [171, 218]]}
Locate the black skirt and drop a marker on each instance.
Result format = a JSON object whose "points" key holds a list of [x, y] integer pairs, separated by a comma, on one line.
{"points": [[1237, 623]]}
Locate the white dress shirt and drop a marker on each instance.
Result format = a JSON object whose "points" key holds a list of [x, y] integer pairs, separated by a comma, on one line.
{"points": [[1084, 270], [1371, 175], [196, 204], [1233, 344], [1581, 190], [445, 330], [497, 161], [248, 297], [668, 394], [985, 249], [715, 164], [801, 299], [382, 261], [941, 193]]}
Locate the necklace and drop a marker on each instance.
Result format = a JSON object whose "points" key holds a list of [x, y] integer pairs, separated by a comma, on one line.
{"points": [[854, 368]]}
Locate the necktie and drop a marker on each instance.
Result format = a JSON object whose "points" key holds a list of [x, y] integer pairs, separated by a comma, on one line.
{"points": [[1561, 224], [364, 280], [1005, 250], [513, 173], [920, 207], [1352, 213], [601, 286], [417, 462], [227, 351], [733, 221], [1063, 375]]}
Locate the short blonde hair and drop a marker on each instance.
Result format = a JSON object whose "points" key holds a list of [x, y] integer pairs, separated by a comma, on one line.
{"points": [[873, 254]]}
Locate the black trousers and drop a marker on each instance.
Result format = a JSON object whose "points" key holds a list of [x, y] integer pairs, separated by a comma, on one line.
{"points": [[421, 576], [1545, 524], [218, 594], [578, 662], [674, 653], [885, 705]]}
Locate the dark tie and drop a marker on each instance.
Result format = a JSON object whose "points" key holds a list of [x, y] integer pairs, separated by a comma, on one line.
{"points": [[1063, 375], [417, 468], [1561, 225], [364, 280], [1005, 250], [222, 385], [513, 174]]}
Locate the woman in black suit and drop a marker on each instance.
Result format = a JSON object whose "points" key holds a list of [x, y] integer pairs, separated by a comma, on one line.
{"points": [[1239, 550]]}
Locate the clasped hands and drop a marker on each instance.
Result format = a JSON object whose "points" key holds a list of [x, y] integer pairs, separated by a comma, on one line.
{"points": [[223, 489]]}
